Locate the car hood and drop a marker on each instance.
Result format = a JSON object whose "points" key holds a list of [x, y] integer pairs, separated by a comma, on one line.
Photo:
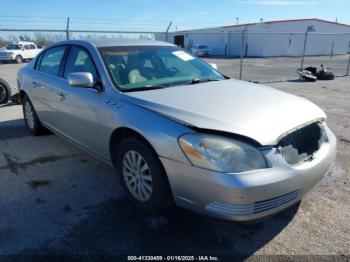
{"points": [[252, 110]]}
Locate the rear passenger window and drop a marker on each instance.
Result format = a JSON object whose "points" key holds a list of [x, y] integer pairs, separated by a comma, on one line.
{"points": [[50, 63], [32, 46], [79, 60]]}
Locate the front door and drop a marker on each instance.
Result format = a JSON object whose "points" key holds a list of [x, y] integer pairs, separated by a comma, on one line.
{"points": [[81, 110]]}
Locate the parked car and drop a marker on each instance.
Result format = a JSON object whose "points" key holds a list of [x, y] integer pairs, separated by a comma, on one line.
{"points": [[8, 87], [201, 50], [19, 52], [177, 130]]}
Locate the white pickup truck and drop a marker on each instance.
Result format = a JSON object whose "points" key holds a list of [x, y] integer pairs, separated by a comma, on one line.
{"points": [[19, 52]]}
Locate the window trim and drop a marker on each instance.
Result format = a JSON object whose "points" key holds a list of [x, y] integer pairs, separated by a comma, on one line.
{"points": [[65, 60], [40, 58]]}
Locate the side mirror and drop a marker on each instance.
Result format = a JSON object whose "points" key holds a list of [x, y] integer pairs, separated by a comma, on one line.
{"points": [[81, 79], [215, 66]]}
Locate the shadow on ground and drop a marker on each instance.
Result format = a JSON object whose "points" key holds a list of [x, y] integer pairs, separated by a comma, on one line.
{"points": [[13, 129], [116, 227]]}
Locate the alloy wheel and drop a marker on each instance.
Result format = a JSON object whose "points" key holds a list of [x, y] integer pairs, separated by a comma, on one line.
{"points": [[29, 115], [137, 176]]}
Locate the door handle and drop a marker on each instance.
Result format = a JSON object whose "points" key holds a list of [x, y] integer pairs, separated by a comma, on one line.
{"points": [[61, 95]]}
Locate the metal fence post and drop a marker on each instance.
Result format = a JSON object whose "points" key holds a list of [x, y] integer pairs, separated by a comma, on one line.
{"points": [[167, 30], [242, 54], [304, 50], [67, 29], [347, 70], [332, 50]]}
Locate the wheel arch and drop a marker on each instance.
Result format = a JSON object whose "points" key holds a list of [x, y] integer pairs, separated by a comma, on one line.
{"points": [[22, 93], [120, 134]]}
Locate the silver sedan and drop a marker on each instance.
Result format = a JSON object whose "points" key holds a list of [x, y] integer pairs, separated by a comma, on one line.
{"points": [[177, 130]]}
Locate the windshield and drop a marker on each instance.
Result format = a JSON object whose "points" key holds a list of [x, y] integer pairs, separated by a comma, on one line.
{"points": [[202, 47], [143, 67], [14, 47]]}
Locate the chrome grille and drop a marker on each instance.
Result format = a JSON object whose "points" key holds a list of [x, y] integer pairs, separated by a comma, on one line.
{"points": [[254, 208], [301, 145]]}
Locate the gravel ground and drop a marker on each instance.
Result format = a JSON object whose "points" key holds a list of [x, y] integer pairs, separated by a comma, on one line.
{"points": [[278, 68], [56, 199]]}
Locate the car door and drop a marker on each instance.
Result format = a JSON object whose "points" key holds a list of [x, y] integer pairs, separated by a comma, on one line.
{"points": [[45, 80], [32, 52], [26, 52], [81, 109]]}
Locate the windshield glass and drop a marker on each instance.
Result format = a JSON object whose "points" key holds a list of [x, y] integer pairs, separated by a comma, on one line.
{"points": [[14, 47], [143, 67]]}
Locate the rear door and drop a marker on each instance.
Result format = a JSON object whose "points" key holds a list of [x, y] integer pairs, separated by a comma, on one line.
{"points": [[81, 109], [33, 51], [45, 83], [25, 51]]}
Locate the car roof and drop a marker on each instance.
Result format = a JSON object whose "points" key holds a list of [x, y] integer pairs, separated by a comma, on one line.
{"points": [[117, 42]]}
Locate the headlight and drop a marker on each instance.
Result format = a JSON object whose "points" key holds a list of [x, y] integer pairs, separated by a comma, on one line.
{"points": [[10, 53], [221, 154]]}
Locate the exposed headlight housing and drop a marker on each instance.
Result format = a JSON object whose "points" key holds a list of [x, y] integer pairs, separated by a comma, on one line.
{"points": [[221, 154]]}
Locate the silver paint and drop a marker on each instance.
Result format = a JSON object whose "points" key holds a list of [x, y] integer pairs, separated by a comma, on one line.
{"points": [[88, 117]]}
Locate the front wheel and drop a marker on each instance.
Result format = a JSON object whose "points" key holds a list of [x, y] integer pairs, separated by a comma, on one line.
{"points": [[19, 59], [142, 176], [31, 118]]}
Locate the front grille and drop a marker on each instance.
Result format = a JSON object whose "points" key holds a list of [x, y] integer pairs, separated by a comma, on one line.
{"points": [[254, 208], [4, 55], [301, 145]]}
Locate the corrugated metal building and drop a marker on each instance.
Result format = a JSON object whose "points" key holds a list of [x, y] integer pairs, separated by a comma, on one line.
{"points": [[265, 39]]}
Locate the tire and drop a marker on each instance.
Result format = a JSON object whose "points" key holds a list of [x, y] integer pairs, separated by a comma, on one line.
{"points": [[5, 92], [154, 194], [31, 118], [19, 59], [325, 76]]}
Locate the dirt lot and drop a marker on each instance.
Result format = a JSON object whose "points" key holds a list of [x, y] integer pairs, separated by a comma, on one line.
{"points": [[56, 199]]}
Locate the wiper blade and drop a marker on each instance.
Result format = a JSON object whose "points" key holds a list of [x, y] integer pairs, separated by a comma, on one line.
{"points": [[201, 80], [144, 88]]}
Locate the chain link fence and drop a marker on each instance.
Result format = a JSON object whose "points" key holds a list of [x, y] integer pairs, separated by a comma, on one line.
{"points": [[253, 56], [268, 56]]}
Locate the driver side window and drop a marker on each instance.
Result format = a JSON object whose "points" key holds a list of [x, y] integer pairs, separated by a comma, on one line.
{"points": [[79, 60]]}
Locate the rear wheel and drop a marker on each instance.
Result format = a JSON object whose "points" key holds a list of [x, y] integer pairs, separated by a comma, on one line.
{"points": [[31, 118], [142, 176], [5, 92], [19, 59]]}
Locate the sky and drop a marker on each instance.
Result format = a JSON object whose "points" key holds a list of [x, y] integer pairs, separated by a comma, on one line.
{"points": [[154, 14]]}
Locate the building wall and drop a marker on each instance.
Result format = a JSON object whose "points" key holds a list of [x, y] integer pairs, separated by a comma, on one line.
{"points": [[270, 39]]}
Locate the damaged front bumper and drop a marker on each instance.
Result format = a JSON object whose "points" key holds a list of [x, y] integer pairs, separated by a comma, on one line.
{"points": [[249, 195]]}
